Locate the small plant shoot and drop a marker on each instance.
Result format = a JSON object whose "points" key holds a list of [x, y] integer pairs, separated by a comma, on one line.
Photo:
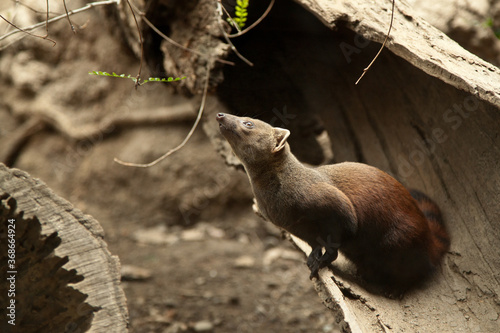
{"points": [[240, 12], [123, 76]]}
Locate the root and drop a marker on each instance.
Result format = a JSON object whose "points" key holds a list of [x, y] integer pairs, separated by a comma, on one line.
{"points": [[55, 118]]}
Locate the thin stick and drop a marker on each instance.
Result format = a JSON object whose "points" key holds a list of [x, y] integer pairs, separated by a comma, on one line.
{"points": [[186, 139], [173, 42], [219, 19], [27, 32], [69, 20], [47, 21], [33, 9], [57, 18], [253, 25], [138, 77], [229, 16], [382, 47]]}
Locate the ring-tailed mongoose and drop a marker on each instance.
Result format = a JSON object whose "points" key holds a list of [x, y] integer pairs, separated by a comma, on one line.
{"points": [[392, 235]]}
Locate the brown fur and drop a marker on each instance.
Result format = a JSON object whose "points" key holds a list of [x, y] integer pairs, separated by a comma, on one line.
{"points": [[392, 237]]}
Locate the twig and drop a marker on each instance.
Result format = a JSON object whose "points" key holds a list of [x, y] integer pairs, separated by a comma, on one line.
{"points": [[33, 9], [382, 47], [138, 77], [186, 139], [47, 21], [219, 19], [27, 32], [69, 20], [173, 42], [57, 18], [229, 16], [253, 25]]}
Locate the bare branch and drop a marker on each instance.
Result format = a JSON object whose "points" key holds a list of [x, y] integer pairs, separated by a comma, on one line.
{"points": [[57, 18], [173, 42], [253, 25], [67, 15], [33, 9], [186, 139], [26, 32], [138, 77], [47, 21], [229, 16], [219, 19], [382, 47]]}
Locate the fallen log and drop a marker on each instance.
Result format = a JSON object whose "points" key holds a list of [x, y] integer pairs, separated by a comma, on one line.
{"points": [[62, 278]]}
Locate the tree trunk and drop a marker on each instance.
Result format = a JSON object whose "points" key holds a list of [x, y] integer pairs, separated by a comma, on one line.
{"points": [[62, 277]]}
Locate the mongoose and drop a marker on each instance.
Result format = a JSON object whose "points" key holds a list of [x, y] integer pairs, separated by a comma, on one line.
{"points": [[391, 235]]}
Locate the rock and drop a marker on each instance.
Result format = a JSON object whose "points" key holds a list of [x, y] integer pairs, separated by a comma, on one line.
{"points": [[280, 253], [176, 327], [134, 273], [215, 232], [203, 326], [191, 235], [155, 236], [244, 262]]}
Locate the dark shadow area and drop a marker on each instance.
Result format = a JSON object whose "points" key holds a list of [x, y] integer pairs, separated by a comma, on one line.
{"points": [[37, 282]]}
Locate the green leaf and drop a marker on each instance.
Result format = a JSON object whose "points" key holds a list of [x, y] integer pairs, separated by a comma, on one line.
{"points": [[242, 3], [123, 76]]}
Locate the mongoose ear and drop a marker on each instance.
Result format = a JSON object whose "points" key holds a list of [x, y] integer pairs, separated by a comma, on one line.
{"points": [[280, 135]]}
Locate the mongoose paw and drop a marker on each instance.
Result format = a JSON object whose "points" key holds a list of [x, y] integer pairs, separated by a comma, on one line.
{"points": [[313, 261], [317, 259]]}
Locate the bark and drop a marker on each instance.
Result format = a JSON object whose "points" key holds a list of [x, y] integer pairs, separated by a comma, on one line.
{"points": [[65, 279]]}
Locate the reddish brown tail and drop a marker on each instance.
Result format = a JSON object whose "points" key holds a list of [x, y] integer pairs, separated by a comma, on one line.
{"points": [[441, 239]]}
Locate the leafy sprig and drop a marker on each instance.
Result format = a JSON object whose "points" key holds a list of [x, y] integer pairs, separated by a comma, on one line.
{"points": [[240, 12], [123, 76]]}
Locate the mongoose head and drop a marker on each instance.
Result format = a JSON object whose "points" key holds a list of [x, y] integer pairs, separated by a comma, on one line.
{"points": [[253, 141]]}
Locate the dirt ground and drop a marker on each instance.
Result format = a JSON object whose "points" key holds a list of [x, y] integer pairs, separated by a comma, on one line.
{"points": [[195, 257]]}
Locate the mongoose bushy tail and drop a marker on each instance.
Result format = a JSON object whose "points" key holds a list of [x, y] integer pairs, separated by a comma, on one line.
{"points": [[436, 224]]}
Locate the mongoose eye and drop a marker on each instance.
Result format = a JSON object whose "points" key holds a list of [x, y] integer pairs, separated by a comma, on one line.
{"points": [[248, 124]]}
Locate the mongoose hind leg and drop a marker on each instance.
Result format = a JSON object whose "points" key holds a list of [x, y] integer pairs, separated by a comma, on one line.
{"points": [[317, 259]]}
